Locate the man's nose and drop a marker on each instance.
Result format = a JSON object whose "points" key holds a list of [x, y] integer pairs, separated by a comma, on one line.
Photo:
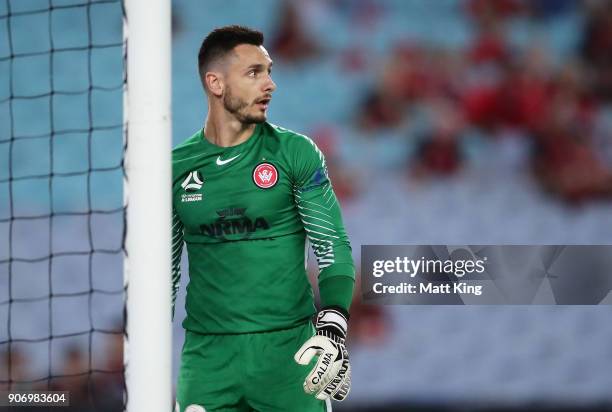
{"points": [[270, 85]]}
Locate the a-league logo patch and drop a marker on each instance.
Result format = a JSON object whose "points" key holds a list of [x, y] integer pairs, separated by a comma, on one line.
{"points": [[192, 183], [265, 175]]}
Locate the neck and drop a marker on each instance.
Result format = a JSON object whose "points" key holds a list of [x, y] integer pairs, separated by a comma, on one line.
{"points": [[223, 129]]}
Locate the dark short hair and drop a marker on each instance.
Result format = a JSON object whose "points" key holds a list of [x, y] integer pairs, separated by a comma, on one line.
{"points": [[222, 40]]}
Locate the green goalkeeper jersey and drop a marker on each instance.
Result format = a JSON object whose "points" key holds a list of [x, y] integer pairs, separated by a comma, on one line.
{"points": [[245, 213]]}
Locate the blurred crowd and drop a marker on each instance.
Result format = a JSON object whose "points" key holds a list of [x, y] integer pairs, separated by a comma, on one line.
{"points": [[93, 379], [442, 99], [491, 89]]}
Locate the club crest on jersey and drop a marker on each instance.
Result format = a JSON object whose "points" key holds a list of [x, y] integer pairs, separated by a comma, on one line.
{"points": [[192, 183], [265, 175]]}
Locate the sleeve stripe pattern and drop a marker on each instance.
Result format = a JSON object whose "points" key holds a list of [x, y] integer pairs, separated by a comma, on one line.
{"points": [[177, 251], [312, 210], [322, 233], [305, 216]]}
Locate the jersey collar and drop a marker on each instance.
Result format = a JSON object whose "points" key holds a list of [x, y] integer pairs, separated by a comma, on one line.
{"points": [[214, 148]]}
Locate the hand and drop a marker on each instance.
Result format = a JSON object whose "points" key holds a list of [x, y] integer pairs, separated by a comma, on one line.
{"points": [[331, 376]]}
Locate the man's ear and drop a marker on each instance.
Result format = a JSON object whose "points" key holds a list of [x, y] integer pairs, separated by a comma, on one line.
{"points": [[213, 82]]}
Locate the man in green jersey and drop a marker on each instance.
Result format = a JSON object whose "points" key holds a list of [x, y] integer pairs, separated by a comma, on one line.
{"points": [[247, 196]]}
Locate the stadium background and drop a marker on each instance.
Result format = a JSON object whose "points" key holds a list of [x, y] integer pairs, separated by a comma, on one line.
{"points": [[443, 122]]}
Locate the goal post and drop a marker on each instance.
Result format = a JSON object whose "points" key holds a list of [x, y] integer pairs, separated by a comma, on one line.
{"points": [[148, 173]]}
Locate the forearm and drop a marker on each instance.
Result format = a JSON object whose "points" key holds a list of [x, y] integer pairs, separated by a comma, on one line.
{"points": [[337, 291]]}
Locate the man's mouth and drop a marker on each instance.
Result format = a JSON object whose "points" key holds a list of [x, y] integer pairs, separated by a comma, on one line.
{"points": [[264, 102]]}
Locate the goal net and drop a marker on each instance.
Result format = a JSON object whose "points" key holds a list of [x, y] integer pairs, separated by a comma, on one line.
{"points": [[66, 113]]}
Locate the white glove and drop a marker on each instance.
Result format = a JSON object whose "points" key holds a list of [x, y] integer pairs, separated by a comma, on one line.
{"points": [[331, 376]]}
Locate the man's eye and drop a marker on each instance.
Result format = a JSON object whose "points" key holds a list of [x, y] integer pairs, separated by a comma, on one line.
{"points": [[251, 73]]}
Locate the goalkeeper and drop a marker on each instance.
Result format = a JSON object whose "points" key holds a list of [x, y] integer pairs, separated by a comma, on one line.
{"points": [[247, 195]]}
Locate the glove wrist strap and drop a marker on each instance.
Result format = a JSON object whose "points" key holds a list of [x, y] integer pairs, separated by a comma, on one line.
{"points": [[332, 323]]}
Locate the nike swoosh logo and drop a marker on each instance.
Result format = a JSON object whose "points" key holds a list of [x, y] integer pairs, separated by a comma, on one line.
{"points": [[222, 162]]}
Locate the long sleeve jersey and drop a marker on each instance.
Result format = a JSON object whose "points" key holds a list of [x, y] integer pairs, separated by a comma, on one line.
{"points": [[245, 213]]}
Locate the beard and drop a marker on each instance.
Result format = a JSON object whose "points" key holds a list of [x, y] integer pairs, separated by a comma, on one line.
{"points": [[239, 108]]}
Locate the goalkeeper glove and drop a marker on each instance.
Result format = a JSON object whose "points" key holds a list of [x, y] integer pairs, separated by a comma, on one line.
{"points": [[331, 376]]}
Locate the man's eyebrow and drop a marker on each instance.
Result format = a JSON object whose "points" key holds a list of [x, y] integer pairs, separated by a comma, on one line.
{"points": [[259, 66]]}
